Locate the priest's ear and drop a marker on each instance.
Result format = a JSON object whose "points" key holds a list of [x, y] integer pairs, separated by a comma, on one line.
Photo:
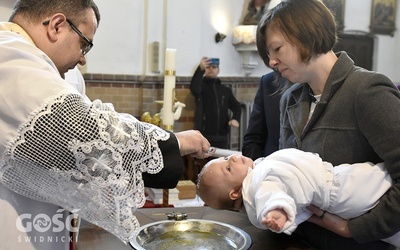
{"points": [[54, 24]]}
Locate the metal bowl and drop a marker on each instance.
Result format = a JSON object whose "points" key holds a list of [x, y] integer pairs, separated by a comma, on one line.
{"points": [[190, 234]]}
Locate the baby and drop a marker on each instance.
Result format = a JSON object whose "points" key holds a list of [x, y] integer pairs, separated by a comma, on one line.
{"points": [[276, 190]]}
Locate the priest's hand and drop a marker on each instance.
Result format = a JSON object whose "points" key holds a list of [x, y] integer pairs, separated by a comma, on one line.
{"points": [[193, 143]]}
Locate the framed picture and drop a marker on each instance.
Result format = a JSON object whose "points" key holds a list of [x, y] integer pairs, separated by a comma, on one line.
{"points": [[337, 8], [255, 9], [383, 17]]}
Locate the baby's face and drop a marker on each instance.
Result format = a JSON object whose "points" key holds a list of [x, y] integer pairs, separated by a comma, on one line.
{"points": [[231, 170]]}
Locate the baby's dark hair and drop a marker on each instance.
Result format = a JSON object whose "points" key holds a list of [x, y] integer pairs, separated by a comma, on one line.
{"points": [[209, 192]]}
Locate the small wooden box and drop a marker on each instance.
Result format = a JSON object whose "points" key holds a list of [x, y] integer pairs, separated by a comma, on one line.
{"points": [[187, 189], [156, 195]]}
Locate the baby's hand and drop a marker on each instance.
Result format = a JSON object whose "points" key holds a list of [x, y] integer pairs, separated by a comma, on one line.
{"points": [[275, 220]]}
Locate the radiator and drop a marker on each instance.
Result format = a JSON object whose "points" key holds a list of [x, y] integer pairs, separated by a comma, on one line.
{"points": [[236, 139]]}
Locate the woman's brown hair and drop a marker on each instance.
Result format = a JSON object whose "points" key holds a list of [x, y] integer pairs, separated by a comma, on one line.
{"points": [[307, 24]]}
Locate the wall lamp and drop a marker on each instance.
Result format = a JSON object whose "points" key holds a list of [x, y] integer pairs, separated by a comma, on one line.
{"points": [[219, 37]]}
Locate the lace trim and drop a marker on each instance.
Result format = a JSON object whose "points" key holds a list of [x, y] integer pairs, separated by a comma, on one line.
{"points": [[84, 157]]}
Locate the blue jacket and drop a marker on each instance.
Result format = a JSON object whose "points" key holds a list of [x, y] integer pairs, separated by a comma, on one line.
{"points": [[262, 134]]}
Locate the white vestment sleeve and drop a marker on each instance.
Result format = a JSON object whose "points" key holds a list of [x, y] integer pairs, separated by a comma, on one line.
{"points": [[57, 148]]}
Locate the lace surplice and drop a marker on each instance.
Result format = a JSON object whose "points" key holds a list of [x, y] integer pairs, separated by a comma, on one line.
{"points": [[84, 157]]}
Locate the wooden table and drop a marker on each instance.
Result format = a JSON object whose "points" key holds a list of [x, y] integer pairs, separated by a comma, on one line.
{"points": [[92, 237]]}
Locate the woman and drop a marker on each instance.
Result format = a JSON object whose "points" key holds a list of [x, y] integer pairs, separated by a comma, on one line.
{"points": [[344, 113]]}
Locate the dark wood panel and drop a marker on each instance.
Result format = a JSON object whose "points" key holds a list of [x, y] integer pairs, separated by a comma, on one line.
{"points": [[359, 46]]}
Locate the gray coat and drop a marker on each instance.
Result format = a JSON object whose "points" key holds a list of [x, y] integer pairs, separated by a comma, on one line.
{"points": [[356, 120]]}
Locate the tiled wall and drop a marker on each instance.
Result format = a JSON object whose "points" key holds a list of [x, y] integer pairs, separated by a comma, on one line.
{"points": [[136, 95]]}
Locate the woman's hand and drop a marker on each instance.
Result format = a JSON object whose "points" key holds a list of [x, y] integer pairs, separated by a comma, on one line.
{"points": [[329, 221]]}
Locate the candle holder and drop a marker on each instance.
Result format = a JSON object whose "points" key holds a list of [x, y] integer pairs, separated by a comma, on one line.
{"points": [[168, 102], [157, 118], [244, 40]]}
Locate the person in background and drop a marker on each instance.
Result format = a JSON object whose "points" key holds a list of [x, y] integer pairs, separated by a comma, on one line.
{"points": [[262, 134], [60, 156], [276, 190], [344, 113], [213, 102]]}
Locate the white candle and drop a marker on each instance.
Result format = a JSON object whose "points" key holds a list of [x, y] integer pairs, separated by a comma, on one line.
{"points": [[170, 61], [169, 89]]}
